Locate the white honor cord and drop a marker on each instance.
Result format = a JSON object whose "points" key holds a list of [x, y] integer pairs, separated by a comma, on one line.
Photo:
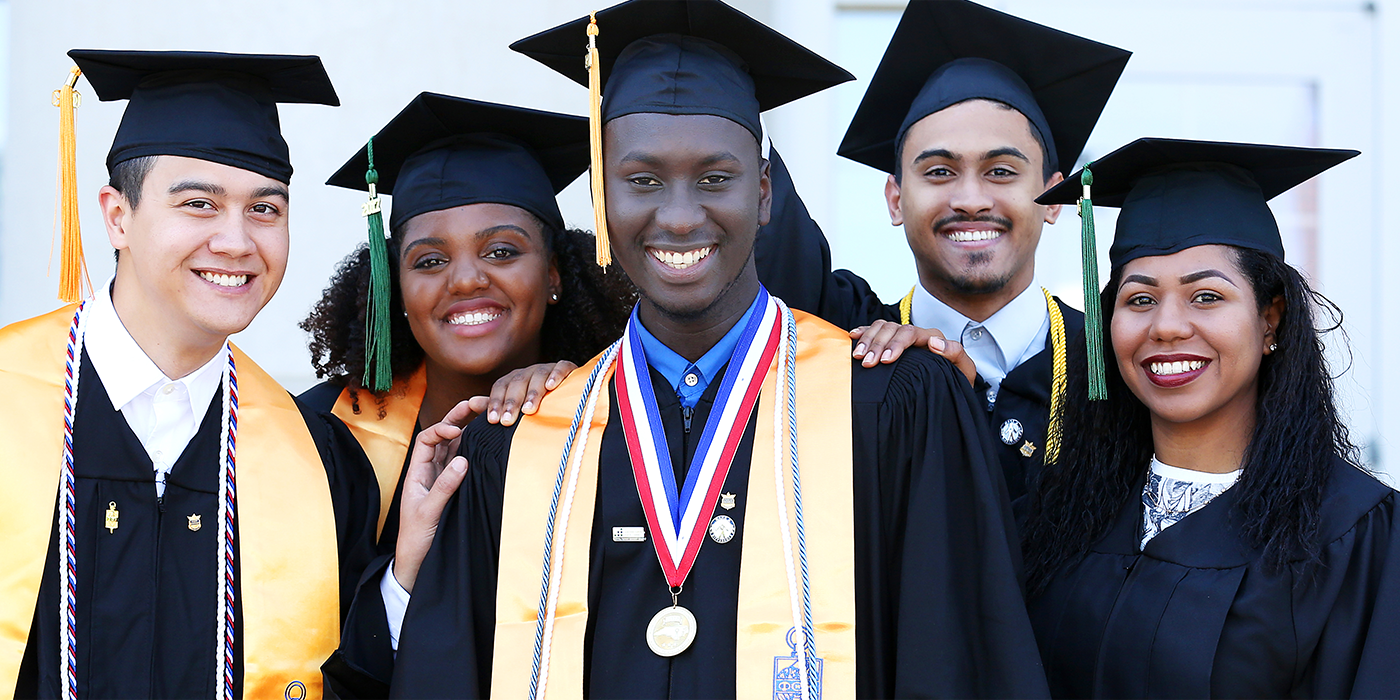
{"points": [[787, 351], [67, 509], [575, 445]]}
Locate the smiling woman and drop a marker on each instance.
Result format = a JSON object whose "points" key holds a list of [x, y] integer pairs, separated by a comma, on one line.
{"points": [[1205, 532], [483, 277]]}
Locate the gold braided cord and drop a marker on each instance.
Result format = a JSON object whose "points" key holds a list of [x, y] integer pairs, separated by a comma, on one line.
{"points": [[1060, 355], [906, 308], [1059, 352]]}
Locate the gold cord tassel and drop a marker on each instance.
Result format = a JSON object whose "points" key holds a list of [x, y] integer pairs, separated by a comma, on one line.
{"points": [[73, 283], [595, 144]]}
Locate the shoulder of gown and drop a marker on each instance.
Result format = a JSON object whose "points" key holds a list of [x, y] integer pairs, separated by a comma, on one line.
{"points": [[321, 397]]}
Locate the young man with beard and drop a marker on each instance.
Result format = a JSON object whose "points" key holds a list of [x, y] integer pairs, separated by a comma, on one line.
{"points": [[859, 537], [971, 125], [206, 524]]}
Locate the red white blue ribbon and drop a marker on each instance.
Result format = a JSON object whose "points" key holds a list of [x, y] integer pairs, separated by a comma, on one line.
{"points": [[677, 518]]}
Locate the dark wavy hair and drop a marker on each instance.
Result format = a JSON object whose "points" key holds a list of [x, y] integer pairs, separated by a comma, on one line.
{"points": [[1105, 446], [593, 307]]}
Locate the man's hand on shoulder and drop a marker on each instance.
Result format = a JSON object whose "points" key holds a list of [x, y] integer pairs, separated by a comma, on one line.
{"points": [[519, 392], [884, 341]]}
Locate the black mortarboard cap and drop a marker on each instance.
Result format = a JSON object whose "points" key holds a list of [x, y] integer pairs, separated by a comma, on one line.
{"points": [[441, 152], [220, 107], [948, 51], [1177, 194], [686, 57]]}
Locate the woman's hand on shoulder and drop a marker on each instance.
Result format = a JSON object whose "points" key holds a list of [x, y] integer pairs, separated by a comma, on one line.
{"points": [[519, 392], [884, 341]]}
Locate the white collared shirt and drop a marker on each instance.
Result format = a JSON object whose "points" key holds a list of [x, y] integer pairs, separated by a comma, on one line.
{"points": [[164, 413], [1014, 334]]}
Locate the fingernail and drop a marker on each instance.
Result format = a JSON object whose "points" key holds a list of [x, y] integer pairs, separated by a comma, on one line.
{"points": [[549, 383], [860, 348], [529, 406], [886, 355], [938, 343], [459, 465], [506, 416], [870, 357], [493, 416]]}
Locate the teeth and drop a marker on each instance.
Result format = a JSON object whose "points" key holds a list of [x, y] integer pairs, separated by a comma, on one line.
{"points": [[680, 261], [1162, 369], [970, 236], [474, 318], [224, 280]]}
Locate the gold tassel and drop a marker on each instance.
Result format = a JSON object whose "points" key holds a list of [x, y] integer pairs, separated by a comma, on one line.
{"points": [[73, 283], [595, 144]]}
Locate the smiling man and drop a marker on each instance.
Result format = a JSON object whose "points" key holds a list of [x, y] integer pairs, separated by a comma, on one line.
{"points": [[973, 113], [737, 511], [205, 522]]}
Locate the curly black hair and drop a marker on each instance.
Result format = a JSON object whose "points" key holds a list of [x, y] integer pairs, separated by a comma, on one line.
{"points": [[1106, 445], [593, 307]]}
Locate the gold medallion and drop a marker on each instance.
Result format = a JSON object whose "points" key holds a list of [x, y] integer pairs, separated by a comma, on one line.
{"points": [[671, 631], [112, 514], [1027, 449], [194, 522]]}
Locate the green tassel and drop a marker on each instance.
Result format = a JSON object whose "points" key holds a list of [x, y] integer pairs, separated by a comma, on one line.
{"points": [[378, 372], [1093, 314]]}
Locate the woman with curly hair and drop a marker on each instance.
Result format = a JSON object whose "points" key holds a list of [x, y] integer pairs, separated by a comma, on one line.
{"points": [[1205, 530], [482, 276]]}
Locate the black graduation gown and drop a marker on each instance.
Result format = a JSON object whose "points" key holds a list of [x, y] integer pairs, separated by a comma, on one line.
{"points": [[939, 608], [146, 617], [321, 398], [1198, 614], [794, 263]]}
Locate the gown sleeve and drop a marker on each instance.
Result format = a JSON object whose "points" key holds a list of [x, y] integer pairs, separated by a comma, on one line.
{"points": [[939, 581], [794, 261], [1358, 651]]}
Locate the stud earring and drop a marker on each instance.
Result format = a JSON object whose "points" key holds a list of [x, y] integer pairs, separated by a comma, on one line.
{"points": [[1273, 347], [553, 296]]}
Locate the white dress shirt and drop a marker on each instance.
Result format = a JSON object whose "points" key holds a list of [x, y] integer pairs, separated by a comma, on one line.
{"points": [[164, 413], [1014, 334]]}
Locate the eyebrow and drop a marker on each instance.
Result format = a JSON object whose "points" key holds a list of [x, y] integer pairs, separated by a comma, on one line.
{"points": [[1203, 274], [1140, 279], [1011, 151], [936, 153], [197, 185], [428, 240], [646, 159], [501, 228], [271, 191]]}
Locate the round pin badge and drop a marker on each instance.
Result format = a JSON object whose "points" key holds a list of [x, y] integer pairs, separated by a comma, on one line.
{"points": [[722, 529], [1011, 431]]}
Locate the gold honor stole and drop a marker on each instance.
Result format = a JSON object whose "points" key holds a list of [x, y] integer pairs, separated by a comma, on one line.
{"points": [[764, 605], [286, 525], [385, 440]]}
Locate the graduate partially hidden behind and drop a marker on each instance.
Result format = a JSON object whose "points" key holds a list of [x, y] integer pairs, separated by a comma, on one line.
{"points": [[719, 504], [205, 523]]}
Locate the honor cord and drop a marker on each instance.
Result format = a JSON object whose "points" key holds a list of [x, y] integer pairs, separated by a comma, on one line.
{"points": [[801, 612], [228, 440], [67, 505]]}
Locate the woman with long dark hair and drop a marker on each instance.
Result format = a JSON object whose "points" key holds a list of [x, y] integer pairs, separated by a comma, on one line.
{"points": [[479, 276], [1205, 530]]}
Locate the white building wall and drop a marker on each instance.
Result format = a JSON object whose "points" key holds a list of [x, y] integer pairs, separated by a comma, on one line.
{"points": [[1305, 72]]}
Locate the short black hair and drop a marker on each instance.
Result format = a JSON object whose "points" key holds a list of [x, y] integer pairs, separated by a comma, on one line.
{"points": [[1047, 168], [129, 176]]}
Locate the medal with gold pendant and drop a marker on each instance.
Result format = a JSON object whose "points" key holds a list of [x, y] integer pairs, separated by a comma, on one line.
{"points": [[678, 518]]}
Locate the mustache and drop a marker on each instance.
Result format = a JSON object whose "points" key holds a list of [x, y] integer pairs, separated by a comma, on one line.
{"points": [[946, 221]]}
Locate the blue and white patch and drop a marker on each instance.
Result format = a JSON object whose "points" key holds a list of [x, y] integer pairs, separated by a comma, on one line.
{"points": [[787, 674]]}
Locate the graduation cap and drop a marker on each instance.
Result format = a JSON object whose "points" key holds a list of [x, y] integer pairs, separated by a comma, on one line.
{"points": [[219, 107], [1177, 194], [442, 152], [677, 57], [948, 51]]}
